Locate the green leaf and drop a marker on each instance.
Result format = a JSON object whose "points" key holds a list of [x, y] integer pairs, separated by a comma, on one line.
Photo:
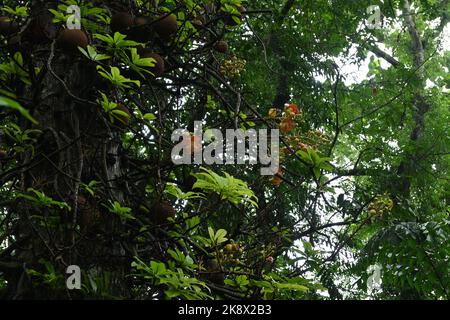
{"points": [[220, 236], [92, 54], [149, 116], [291, 286], [9, 103], [228, 188]]}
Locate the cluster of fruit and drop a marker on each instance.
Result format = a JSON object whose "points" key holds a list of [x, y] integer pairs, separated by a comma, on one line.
{"points": [[232, 251], [41, 30], [233, 67], [153, 28], [380, 205], [213, 271], [166, 26], [142, 29], [138, 27]]}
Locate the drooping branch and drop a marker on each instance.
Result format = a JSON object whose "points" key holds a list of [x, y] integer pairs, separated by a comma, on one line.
{"points": [[381, 54]]}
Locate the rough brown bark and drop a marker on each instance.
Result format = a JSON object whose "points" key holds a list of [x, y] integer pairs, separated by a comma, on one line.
{"points": [[420, 105], [76, 145]]}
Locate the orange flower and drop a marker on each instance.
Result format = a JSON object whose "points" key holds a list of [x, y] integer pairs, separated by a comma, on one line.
{"points": [[277, 179], [192, 142], [303, 146], [287, 125], [196, 144], [292, 109], [273, 113]]}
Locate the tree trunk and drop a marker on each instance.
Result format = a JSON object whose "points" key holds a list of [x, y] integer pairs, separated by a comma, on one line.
{"points": [[77, 145]]}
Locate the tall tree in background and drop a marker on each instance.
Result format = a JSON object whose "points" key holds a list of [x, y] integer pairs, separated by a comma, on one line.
{"points": [[86, 177]]}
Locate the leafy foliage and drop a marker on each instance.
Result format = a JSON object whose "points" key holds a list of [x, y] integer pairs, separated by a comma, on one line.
{"points": [[228, 188], [86, 176]]}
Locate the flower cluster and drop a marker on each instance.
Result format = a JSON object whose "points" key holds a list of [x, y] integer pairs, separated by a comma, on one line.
{"points": [[233, 67], [287, 124], [312, 139]]}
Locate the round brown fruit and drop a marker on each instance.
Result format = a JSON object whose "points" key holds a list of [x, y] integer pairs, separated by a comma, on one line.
{"points": [[221, 46], [166, 26], [3, 154], [8, 26], [214, 273], [212, 265], [88, 214], [121, 21], [81, 202], [162, 211], [139, 31], [159, 67], [140, 21], [71, 39]]}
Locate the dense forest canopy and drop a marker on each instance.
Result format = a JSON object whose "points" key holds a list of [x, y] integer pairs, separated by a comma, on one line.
{"points": [[91, 93]]}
